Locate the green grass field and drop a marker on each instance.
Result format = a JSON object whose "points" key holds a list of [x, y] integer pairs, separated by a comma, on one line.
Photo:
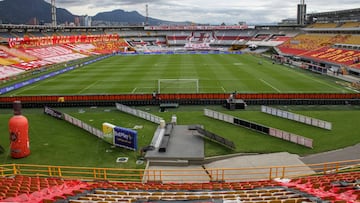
{"points": [[55, 142], [215, 73]]}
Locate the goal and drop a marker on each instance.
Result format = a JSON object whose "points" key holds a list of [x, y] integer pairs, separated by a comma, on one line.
{"points": [[178, 86]]}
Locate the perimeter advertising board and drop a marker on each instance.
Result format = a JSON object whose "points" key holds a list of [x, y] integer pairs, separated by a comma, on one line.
{"points": [[119, 136]]}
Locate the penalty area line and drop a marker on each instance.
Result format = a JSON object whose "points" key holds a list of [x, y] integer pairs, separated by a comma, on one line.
{"points": [[223, 89], [134, 90], [268, 84]]}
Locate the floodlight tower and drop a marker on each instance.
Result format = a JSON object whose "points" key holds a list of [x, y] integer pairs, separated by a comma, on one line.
{"points": [[301, 13], [147, 15], [53, 13]]}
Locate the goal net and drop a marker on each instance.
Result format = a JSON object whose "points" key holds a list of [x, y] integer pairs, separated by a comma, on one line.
{"points": [[178, 85]]}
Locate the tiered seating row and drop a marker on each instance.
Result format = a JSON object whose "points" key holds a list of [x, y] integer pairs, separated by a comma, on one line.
{"points": [[35, 189], [55, 50], [350, 25], [335, 55], [256, 195], [353, 40], [335, 25], [320, 47], [333, 187], [323, 25], [189, 186], [7, 71], [307, 42]]}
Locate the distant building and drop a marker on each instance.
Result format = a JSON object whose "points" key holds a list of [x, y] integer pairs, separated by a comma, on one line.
{"points": [[288, 21], [301, 13], [77, 21], [33, 21], [87, 20], [84, 21]]}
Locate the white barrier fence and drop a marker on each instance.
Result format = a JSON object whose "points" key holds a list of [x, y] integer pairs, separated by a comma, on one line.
{"points": [[139, 113], [297, 139], [297, 117], [219, 116], [98, 133], [63, 116]]}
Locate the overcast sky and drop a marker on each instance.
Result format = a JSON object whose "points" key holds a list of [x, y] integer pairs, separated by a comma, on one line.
{"points": [[208, 11]]}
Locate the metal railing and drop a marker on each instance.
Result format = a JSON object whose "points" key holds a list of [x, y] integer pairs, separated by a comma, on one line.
{"points": [[179, 175]]}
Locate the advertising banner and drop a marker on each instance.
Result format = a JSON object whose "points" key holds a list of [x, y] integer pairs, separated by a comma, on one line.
{"points": [[108, 131], [125, 138], [53, 113], [18, 42]]}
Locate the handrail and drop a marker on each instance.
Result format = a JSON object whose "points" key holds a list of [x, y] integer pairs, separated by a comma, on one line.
{"points": [[179, 175]]}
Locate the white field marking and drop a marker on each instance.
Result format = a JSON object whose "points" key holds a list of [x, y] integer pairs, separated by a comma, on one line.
{"points": [[28, 87], [134, 90], [238, 64], [351, 89], [89, 86], [268, 84], [141, 90], [324, 83], [223, 89], [308, 77], [23, 89], [166, 63]]}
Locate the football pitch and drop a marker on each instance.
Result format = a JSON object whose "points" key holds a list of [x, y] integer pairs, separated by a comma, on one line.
{"points": [[54, 142], [215, 73]]}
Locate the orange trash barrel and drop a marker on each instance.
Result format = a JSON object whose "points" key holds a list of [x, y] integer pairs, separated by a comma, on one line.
{"points": [[19, 133]]}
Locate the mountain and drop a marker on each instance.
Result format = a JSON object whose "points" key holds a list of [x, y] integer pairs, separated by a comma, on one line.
{"points": [[22, 11], [125, 17]]}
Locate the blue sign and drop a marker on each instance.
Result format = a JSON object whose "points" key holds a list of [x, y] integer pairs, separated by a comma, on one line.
{"points": [[125, 138]]}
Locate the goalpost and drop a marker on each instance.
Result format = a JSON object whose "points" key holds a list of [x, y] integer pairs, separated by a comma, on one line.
{"points": [[178, 86]]}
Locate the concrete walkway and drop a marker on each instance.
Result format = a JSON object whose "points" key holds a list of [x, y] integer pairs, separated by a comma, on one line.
{"points": [[257, 167], [253, 167], [348, 153], [240, 168]]}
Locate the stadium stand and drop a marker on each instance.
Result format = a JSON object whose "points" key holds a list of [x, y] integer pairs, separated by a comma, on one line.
{"points": [[352, 39], [307, 42], [335, 188], [350, 25], [303, 43], [7, 71], [323, 25], [38, 50], [218, 38], [111, 46], [332, 187], [37, 189], [15, 55], [335, 55]]}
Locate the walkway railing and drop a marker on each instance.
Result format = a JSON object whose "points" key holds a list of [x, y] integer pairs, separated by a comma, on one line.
{"points": [[179, 175]]}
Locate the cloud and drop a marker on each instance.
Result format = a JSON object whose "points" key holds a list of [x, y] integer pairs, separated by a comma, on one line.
{"points": [[209, 11]]}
